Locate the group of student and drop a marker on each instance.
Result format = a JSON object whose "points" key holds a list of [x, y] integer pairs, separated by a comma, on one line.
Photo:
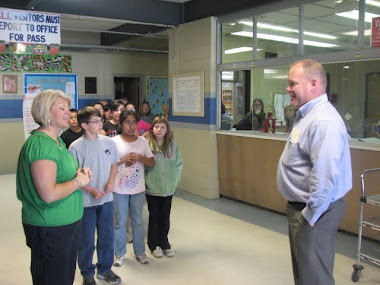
{"points": [[117, 171], [140, 162]]}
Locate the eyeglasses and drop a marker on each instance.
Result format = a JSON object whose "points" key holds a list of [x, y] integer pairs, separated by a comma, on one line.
{"points": [[95, 122]]}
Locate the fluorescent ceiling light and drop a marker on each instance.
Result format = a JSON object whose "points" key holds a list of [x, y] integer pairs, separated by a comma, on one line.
{"points": [[243, 34], [283, 39], [268, 71], [318, 35], [237, 50], [355, 33], [318, 44], [227, 75], [280, 77], [354, 14], [288, 30]]}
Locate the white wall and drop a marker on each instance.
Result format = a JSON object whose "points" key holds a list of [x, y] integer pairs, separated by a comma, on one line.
{"points": [[192, 48]]}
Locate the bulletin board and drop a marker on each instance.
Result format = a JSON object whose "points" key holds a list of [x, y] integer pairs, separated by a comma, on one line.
{"points": [[157, 93], [36, 83], [188, 94]]}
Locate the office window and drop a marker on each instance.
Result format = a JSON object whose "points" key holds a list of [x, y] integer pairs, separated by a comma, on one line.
{"points": [[277, 33], [352, 89], [327, 27], [236, 48], [90, 85]]}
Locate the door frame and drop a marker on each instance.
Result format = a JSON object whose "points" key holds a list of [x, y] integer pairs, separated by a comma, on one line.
{"points": [[141, 85]]}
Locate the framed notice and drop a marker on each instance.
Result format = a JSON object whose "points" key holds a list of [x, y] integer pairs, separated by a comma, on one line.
{"points": [[10, 84], [188, 94]]}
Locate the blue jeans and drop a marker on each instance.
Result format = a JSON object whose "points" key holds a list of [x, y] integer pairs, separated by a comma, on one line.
{"points": [[134, 203], [54, 253], [99, 218]]}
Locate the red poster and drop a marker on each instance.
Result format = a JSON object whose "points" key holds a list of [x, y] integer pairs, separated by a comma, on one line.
{"points": [[375, 38]]}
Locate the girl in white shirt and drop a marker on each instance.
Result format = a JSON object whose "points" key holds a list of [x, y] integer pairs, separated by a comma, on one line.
{"points": [[129, 189]]}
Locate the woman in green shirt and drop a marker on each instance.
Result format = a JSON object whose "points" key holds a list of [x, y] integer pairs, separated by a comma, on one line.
{"points": [[48, 182]]}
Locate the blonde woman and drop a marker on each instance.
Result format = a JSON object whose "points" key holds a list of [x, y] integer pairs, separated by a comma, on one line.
{"points": [[48, 185]]}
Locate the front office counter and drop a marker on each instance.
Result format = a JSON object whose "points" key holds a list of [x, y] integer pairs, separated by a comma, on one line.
{"points": [[247, 168]]}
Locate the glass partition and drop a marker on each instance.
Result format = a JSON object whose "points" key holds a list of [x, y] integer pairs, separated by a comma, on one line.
{"points": [[236, 48], [277, 34], [327, 29], [353, 88], [328, 26]]}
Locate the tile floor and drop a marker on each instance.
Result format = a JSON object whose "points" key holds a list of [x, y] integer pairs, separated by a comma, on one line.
{"points": [[217, 242]]}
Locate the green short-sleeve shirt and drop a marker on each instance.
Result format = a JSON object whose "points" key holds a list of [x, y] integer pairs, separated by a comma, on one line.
{"points": [[35, 211]]}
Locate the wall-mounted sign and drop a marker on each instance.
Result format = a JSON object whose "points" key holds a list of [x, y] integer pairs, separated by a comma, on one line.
{"points": [[375, 37], [18, 26], [188, 94]]}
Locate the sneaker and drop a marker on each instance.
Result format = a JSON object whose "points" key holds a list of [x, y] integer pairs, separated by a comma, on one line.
{"points": [[169, 252], [88, 280], [157, 252], [142, 259], [129, 235], [119, 260], [110, 277]]}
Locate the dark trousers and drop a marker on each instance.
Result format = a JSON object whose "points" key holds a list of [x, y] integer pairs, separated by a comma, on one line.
{"points": [[313, 248], [159, 221], [99, 218], [54, 253]]}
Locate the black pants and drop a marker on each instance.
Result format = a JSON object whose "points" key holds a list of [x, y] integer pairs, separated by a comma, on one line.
{"points": [[54, 253], [313, 248], [159, 221]]}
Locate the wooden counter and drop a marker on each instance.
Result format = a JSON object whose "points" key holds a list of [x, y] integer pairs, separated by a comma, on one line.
{"points": [[247, 168]]}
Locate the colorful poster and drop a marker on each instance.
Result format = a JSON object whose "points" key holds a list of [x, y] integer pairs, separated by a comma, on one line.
{"points": [[157, 94], [35, 63], [36, 83]]}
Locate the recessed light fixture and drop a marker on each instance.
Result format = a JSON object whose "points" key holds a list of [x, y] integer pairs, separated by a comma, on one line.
{"points": [[227, 75], [355, 33], [283, 39], [268, 71], [237, 50], [288, 30], [354, 14]]}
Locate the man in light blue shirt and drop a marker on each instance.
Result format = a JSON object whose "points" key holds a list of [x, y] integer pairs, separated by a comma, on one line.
{"points": [[314, 173]]}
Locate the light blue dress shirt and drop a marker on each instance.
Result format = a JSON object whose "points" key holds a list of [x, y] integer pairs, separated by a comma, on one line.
{"points": [[315, 166]]}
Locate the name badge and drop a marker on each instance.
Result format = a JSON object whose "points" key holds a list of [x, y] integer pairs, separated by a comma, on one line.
{"points": [[295, 135]]}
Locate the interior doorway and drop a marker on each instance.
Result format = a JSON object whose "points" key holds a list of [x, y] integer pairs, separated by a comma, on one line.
{"points": [[128, 87]]}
